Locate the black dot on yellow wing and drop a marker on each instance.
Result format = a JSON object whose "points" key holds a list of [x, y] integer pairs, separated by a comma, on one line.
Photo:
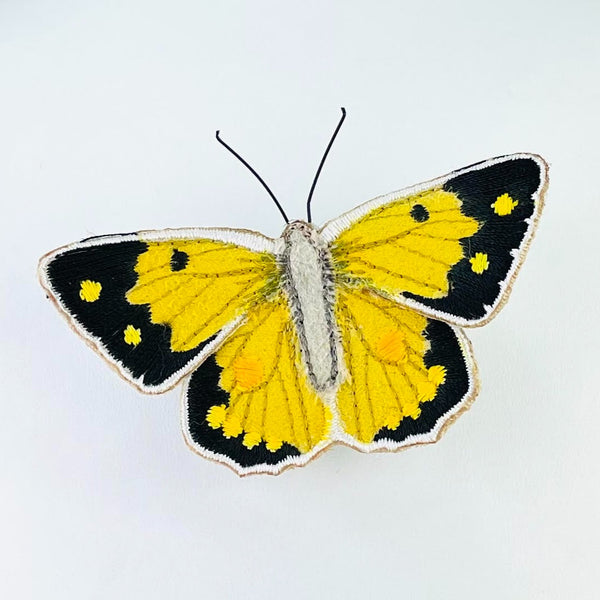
{"points": [[419, 213], [179, 260], [132, 335]]}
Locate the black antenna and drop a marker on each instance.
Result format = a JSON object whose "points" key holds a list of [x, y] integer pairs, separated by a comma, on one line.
{"points": [[255, 175], [314, 183]]}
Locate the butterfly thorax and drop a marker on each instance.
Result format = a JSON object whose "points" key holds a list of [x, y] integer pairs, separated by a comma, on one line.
{"points": [[306, 264]]}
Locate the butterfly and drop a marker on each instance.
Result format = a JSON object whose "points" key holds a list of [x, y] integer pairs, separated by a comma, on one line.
{"points": [[350, 333]]}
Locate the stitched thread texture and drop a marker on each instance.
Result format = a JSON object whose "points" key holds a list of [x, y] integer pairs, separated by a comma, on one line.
{"points": [[318, 337]]}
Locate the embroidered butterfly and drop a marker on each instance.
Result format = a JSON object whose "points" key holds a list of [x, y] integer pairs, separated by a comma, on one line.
{"points": [[345, 334]]}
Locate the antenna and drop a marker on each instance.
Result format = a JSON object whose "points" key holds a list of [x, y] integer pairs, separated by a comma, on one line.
{"points": [[314, 183], [255, 175]]}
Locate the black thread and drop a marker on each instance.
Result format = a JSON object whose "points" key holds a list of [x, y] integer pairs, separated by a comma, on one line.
{"points": [[445, 349], [471, 295], [419, 213], [203, 392], [179, 260], [255, 175], [314, 183], [113, 266]]}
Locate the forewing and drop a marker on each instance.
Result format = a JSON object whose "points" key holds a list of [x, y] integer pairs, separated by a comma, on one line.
{"points": [[450, 247], [406, 375], [155, 304], [251, 405]]}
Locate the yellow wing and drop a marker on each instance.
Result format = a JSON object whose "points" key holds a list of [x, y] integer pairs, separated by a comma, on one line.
{"points": [[407, 245], [155, 304], [405, 374], [198, 286], [449, 248], [251, 405]]}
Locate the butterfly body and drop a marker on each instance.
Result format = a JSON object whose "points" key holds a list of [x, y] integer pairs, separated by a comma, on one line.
{"points": [[349, 333], [308, 279]]}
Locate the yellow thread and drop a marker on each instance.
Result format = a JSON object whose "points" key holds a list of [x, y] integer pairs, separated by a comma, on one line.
{"points": [[426, 391], [232, 426], [388, 249], [479, 263], [504, 205], [248, 372], [270, 398], [380, 391], [274, 444], [392, 421], [251, 439], [132, 336], [216, 416], [219, 283], [436, 374], [415, 413], [392, 346], [90, 290]]}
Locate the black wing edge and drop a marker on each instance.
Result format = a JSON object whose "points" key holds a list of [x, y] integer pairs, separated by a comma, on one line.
{"points": [[150, 365], [474, 298]]}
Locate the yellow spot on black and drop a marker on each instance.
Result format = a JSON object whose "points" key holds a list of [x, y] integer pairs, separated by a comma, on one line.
{"points": [[232, 426], [504, 205], [392, 346], [251, 439], [273, 445], [216, 416], [426, 391], [392, 421], [89, 291], [479, 263], [132, 335], [248, 372], [436, 374], [415, 413]]}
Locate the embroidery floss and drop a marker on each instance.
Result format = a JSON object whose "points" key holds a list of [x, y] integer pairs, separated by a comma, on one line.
{"points": [[345, 334]]}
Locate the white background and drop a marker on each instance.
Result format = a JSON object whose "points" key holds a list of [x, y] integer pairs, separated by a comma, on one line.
{"points": [[107, 118]]}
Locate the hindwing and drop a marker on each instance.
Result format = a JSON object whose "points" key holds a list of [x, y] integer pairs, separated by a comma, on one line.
{"points": [[251, 405], [406, 374]]}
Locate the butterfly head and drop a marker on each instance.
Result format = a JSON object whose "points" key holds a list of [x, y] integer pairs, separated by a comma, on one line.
{"points": [[301, 230], [299, 226]]}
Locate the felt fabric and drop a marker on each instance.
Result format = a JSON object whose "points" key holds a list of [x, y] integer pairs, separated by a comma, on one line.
{"points": [[348, 334]]}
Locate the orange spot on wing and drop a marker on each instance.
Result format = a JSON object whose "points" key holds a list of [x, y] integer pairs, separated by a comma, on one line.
{"points": [[392, 346], [248, 372]]}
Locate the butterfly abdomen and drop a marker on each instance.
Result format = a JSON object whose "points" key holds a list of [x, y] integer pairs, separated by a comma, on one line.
{"points": [[308, 282]]}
